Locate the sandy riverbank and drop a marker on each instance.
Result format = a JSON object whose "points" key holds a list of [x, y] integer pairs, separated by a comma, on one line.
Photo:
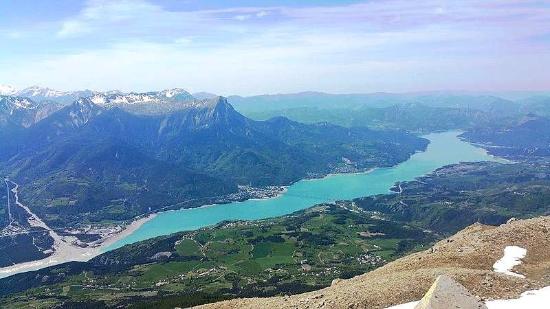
{"points": [[67, 252]]}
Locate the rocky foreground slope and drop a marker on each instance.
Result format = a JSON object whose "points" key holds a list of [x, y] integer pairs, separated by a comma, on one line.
{"points": [[468, 257]]}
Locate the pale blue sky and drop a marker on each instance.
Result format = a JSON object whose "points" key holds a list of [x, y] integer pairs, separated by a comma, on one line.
{"points": [[252, 47]]}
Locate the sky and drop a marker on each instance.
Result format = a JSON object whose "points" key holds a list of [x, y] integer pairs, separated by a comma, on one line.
{"points": [[256, 47]]}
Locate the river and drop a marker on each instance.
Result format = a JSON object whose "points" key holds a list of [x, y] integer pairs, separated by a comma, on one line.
{"points": [[444, 149]]}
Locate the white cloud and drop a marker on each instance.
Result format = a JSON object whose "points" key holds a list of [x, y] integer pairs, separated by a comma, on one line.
{"points": [[122, 16], [242, 17], [73, 27], [373, 46], [261, 14], [184, 40]]}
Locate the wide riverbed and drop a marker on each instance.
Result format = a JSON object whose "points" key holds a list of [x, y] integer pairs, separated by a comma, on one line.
{"points": [[444, 148]]}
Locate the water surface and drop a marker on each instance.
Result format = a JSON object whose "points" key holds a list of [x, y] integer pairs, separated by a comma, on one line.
{"points": [[444, 148]]}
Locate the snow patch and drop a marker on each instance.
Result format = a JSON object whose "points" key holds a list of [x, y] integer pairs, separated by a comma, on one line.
{"points": [[7, 90], [15, 103], [37, 91], [98, 99], [134, 98], [536, 299], [169, 94], [512, 257], [410, 305]]}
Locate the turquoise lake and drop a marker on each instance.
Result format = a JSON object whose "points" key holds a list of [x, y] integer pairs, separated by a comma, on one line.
{"points": [[444, 148]]}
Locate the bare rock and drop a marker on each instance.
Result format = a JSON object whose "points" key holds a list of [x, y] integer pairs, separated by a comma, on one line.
{"points": [[161, 256], [446, 293], [335, 282]]}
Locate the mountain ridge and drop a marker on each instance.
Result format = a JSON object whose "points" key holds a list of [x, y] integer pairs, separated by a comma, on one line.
{"points": [[207, 139]]}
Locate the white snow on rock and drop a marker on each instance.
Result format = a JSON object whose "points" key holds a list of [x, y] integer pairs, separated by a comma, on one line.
{"points": [[410, 305], [512, 257], [7, 90], [537, 299], [98, 99], [37, 91]]}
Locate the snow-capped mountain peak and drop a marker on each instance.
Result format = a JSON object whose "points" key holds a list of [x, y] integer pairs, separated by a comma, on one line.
{"points": [[99, 98], [153, 102], [37, 91], [169, 93], [7, 90], [133, 98], [11, 104]]}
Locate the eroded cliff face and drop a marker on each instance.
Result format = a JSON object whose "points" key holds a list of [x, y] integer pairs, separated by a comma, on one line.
{"points": [[467, 257]]}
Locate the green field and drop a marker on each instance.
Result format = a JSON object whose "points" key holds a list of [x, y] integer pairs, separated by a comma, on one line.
{"points": [[287, 255]]}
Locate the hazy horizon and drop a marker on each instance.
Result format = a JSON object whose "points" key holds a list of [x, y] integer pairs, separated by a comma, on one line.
{"points": [[506, 94]]}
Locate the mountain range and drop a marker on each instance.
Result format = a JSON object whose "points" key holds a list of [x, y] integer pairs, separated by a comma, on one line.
{"points": [[414, 112], [526, 137], [113, 156], [83, 159]]}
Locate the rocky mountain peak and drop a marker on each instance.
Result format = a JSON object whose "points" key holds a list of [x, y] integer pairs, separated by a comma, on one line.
{"points": [[176, 93], [12, 103], [81, 111], [218, 106], [37, 91]]}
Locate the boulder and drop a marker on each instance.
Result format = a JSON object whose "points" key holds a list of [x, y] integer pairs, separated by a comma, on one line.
{"points": [[446, 293]]}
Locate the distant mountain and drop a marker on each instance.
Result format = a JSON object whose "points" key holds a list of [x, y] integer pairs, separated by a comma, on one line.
{"points": [[204, 95], [320, 100], [21, 112], [69, 156], [39, 92], [15, 115], [417, 112], [48, 95], [538, 105], [7, 90], [160, 102], [146, 103], [210, 135], [28, 106], [411, 117], [17, 112], [313, 99], [528, 137]]}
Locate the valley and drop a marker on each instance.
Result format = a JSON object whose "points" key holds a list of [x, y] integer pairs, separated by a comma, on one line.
{"points": [[119, 203], [90, 168], [298, 196], [444, 148], [59, 248], [303, 251]]}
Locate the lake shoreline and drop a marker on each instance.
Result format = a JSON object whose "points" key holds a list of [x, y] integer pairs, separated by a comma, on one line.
{"points": [[444, 149], [294, 197], [71, 253]]}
